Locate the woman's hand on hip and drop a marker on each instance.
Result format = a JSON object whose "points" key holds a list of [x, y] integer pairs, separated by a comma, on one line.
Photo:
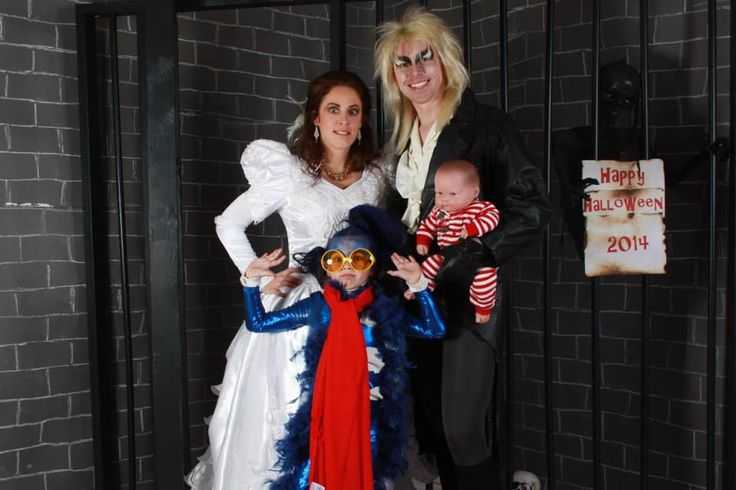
{"points": [[287, 278]]}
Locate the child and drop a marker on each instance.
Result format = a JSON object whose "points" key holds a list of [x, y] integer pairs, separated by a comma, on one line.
{"points": [[459, 214], [351, 429]]}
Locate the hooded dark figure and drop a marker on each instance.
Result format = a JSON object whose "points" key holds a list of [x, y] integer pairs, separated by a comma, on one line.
{"points": [[618, 139]]}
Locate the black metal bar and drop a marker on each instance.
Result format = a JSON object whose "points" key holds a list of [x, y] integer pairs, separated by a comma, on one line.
{"points": [[594, 283], [711, 371], [158, 59], [125, 7], [337, 34], [730, 425], [379, 96], [93, 243], [503, 34], [196, 5], [646, 323], [122, 249], [547, 248], [468, 34]]}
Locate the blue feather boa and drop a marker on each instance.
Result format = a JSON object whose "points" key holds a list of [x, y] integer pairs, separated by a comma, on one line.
{"points": [[389, 417]]}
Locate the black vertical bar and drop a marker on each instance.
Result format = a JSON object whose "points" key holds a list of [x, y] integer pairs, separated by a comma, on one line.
{"points": [[711, 375], [379, 96], [93, 243], [547, 268], [730, 426], [122, 248], [646, 324], [337, 34], [158, 61], [503, 34], [468, 35], [595, 285]]}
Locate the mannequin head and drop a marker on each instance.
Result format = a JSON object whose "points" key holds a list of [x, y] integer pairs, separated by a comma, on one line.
{"points": [[619, 90]]}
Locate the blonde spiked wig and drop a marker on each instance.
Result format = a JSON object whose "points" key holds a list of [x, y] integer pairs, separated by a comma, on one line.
{"points": [[420, 24]]}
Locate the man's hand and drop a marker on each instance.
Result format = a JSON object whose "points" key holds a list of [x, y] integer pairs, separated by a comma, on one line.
{"points": [[406, 268]]}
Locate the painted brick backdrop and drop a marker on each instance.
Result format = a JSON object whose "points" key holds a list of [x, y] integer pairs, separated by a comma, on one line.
{"points": [[240, 73], [45, 423]]}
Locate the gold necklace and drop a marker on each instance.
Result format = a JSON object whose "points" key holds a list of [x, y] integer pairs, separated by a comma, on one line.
{"points": [[339, 177]]}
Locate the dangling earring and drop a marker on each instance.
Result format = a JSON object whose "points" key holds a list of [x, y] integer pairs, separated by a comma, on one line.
{"points": [[316, 134], [360, 136]]}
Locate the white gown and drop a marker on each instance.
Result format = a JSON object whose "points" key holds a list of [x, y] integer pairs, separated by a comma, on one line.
{"points": [[260, 390]]}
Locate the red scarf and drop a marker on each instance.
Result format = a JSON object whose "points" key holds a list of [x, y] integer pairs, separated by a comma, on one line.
{"points": [[339, 438]]}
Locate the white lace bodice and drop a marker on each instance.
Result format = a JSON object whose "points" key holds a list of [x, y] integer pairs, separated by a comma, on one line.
{"points": [[312, 211]]}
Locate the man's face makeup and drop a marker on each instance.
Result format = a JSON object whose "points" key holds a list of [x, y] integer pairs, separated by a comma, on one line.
{"points": [[418, 72], [424, 56]]}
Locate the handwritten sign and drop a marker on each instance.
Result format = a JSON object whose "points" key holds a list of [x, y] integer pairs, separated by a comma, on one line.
{"points": [[624, 218]]}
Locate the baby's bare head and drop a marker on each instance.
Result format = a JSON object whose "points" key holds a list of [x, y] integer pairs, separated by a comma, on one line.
{"points": [[456, 184]]}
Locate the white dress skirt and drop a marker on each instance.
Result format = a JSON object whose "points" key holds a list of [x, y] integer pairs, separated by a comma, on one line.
{"points": [[260, 390]]}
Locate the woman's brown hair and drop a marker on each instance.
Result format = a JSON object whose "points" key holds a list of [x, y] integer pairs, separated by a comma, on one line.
{"points": [[362, 154]]}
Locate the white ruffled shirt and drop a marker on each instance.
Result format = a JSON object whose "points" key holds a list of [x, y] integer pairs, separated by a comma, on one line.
{"points": [[411, 173]]}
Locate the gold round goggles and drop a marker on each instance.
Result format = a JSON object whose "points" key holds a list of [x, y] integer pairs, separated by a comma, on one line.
{"points": [[360, 259]]}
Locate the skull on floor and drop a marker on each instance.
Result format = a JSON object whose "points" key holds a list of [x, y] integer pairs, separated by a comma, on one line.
{"points": [[524, 480]]}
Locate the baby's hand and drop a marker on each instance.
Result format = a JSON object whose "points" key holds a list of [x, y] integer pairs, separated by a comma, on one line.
{"points": [[261, 266], [422, 249], [406, 268]]}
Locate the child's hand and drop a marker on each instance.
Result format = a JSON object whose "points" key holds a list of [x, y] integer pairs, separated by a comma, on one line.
{"points": [[407, 269], [482, 318], [261, 266], [422, 249]]}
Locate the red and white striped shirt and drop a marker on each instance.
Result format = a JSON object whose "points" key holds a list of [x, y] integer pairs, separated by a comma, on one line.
{"points": [[477, 218]]}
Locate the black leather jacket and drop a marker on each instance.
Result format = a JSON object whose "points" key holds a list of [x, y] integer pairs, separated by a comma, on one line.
{"points": [[489, 139]]}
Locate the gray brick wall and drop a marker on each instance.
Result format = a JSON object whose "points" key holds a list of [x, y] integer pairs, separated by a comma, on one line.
{"points": [[45, 422], [240, 71], [678, 114]]}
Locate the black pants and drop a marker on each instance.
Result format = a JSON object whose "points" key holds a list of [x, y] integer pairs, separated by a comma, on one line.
{"points": [[454, 382], [453, 389]]}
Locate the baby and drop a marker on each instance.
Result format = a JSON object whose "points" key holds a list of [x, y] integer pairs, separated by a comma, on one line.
{"points": [[459, 214]]}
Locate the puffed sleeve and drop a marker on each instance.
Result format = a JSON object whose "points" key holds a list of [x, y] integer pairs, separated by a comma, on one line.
{"points": [[267, 166]]}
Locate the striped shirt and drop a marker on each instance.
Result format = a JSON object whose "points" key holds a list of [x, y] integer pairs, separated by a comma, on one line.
{"points": [[477, 218]]}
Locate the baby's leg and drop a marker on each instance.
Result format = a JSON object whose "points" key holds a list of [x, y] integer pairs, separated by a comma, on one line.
{"points": [[483, 293], [430, 266]]}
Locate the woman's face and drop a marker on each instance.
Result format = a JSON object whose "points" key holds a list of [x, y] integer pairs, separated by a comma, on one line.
{"points": [[418, 72], [339, 118]]}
